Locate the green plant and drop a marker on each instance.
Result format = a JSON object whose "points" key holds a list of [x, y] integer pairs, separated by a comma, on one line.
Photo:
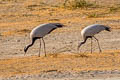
{"points": [[96, 14], [93, 15], [74, 4]]}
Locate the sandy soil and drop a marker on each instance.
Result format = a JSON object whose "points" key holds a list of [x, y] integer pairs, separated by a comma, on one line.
{"points": [[63, 61]]}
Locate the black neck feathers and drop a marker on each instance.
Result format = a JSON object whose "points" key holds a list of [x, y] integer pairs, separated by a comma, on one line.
{"points": [[59, 25], [107, 28], [33, 41]]}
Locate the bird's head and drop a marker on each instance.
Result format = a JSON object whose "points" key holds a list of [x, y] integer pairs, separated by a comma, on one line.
{"points": [[108, 29], [25, 49], [59, 25]]}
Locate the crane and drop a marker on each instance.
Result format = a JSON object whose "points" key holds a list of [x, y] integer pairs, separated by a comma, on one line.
{"points": [[90, 31], [39, 32]]}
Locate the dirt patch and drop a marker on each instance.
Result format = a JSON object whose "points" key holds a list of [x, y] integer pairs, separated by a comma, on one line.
{"points": [[73, 63]]}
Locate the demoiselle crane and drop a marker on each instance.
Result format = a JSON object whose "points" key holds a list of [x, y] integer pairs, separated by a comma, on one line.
{"points": [[90, 31], [39, 32]]}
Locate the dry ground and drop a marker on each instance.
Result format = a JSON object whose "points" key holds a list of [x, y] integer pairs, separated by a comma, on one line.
{"points": [[63, 61]]}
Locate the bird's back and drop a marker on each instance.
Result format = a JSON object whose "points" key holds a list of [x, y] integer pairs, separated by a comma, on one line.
{"points": [[92, 30], [42, 30]]}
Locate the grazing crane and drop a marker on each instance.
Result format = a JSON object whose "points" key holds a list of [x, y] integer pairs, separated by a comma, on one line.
{"points": [[39, 32], [90, 31]]}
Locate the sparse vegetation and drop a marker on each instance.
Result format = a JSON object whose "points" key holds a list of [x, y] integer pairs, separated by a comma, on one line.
{"points": [[93, 15], [19, 17], [96, 14], [114, 9], [74, 4], [24, 31], [0, 34], [9, 0]]}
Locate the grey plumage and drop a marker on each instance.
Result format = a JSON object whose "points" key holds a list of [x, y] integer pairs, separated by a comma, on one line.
{"points": [[90, 31], [40, 31]]}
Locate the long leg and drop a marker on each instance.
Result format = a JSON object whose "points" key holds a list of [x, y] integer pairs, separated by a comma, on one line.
{"points": [[44, 46], [91, 44], [98, 44], [40, 47]]}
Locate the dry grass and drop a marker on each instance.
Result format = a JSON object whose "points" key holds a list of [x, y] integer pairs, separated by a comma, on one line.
{"points": [[28, 14], [82, 4], [60, 62], [22, 18]]}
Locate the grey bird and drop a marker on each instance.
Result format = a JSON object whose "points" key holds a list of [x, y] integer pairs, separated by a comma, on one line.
{"points": [[39, 32], [90, 31]]}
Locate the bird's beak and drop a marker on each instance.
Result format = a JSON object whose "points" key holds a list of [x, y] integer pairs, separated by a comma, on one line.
{"points": [[109, 30], [64, 25]]}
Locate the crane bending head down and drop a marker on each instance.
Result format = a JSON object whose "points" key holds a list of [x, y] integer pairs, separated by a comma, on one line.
{"points": [[90, 31], [40, 31]]}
